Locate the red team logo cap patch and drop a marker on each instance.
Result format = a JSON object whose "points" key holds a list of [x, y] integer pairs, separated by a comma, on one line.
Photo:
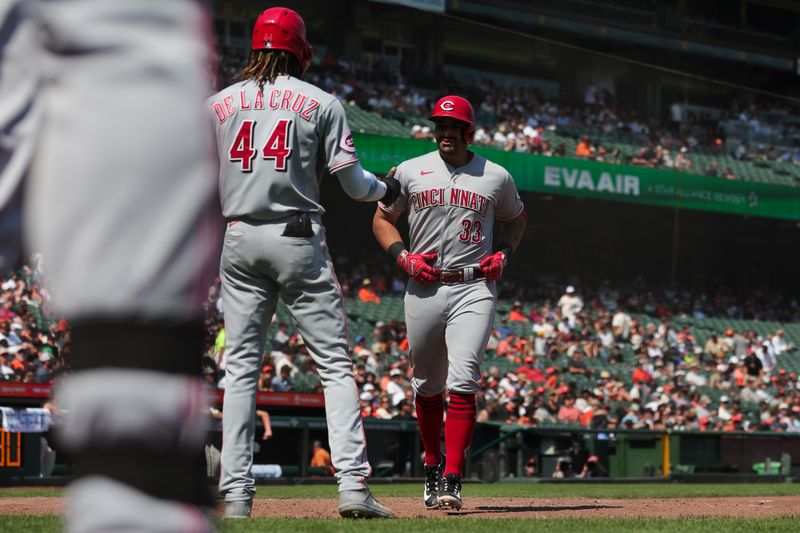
{"points": [[447, 105]]}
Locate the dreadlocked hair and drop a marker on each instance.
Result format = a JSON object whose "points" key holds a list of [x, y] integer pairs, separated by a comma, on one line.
{"points": [[266, 65]]}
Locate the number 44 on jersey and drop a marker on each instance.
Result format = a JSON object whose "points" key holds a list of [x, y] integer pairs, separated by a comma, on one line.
{"points": [[276, 147]]}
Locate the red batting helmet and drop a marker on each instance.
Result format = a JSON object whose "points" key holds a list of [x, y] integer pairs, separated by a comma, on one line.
{"points": [[280, 28], [457, 108]]}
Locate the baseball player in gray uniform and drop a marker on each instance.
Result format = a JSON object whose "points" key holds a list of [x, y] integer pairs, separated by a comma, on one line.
{"points": [[275, 135], [465, 219], [103, 113]]}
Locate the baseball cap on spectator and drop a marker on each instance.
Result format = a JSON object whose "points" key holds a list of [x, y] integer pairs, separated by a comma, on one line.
{"points": [[729, 331], [722, 367], [529, 359], [368, 387], [724, 399], [734, 360], [605, 374], [396, 372], [563, 389], [782, 371], [366, 396], [593, 459], [359, 339], [540, 390], [737, 417], [570, 289]]}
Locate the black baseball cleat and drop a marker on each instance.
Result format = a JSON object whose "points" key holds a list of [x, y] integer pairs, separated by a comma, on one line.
{"points": [[450, 492], [433, 476]]}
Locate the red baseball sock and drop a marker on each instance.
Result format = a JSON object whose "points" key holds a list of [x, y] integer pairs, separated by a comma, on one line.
{"points": [[430, 415], [458, 430]]}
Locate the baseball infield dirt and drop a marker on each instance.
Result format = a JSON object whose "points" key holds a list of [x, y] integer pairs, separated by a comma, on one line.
{"points": [[494, 507]]}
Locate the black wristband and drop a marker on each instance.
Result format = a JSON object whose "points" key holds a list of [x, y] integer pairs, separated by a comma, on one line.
{"points": [[503, 247], [395, 249]]}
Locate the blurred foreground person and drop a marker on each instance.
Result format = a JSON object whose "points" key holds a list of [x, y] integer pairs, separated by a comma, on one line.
{"points": [[102, 115]]}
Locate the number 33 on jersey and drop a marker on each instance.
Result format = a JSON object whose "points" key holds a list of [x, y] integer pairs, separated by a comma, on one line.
{"points": [[273, 145]]}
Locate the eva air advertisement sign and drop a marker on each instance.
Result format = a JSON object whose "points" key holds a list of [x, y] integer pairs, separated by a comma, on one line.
{"points": [[591, 179], [661, 187]]}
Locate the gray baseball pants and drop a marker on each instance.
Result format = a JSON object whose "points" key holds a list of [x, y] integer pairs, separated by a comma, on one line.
{"points": [[259, 265], [448, 327]]}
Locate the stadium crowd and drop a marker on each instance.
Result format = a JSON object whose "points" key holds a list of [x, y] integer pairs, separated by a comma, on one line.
{"points": [[616, 359], [32, 346], [525, 119]]}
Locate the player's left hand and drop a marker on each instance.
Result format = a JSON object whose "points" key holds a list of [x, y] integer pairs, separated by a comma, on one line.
{"points": [[493, 266]]}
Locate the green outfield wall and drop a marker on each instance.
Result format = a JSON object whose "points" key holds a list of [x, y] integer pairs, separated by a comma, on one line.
{"points": [[603, 181]]}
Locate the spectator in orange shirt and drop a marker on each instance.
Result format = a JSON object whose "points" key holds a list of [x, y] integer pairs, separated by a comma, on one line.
{"points": [[552, 377], [640, 375], [320, 457], [506, 347], [367, 292], [568, 411], [584, 148], [516, 314]]}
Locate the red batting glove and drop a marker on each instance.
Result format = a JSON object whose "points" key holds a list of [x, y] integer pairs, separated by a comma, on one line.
{"points": [[416, 265], [493, 266]]}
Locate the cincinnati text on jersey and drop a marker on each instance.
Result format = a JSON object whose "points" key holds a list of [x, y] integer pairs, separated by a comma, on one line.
{"points": [[286, 99], [455, 197]]}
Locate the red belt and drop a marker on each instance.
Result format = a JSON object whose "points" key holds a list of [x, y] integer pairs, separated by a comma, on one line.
{"points": [[450, 277]]}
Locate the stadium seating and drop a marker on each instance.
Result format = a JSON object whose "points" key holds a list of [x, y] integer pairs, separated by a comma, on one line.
{"points": [[774, 172], [363, 318]]}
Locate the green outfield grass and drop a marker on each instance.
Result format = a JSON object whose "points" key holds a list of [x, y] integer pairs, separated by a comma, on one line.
{"points": [[456, 524], [509, 490], [50, 524]]}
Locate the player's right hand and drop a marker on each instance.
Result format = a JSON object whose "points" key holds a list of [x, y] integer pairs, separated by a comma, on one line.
{"points": [[416, 265]]}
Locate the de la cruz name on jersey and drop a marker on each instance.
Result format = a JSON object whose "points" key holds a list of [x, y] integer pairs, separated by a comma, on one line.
{"points": [[451, 211], [285, 99]]}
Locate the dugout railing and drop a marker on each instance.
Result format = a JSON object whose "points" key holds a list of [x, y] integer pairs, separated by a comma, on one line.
{"points": [[501, 451], [504, 451]]}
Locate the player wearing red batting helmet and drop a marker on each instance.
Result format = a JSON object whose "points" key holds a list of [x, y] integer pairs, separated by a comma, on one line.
{"points": [[465, 218], [272, 130]]}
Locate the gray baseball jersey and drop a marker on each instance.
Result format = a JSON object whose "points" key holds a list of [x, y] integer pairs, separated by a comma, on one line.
{"points": [[451, 211], [273, 147]]}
